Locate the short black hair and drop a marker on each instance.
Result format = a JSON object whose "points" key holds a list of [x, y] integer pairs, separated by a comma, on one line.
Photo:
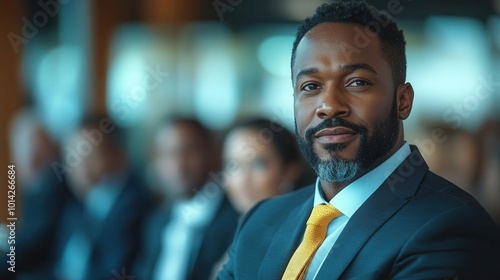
{"points": [[283, 141], [114, 136], [189, 121], [390, 35]]}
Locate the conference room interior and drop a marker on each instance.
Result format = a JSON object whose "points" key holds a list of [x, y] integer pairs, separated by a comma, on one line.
{"points": [[127, 66]]}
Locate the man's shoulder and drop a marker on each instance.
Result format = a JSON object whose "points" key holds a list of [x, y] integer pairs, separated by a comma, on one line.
{"points": [[437, 197], [445, 192]]}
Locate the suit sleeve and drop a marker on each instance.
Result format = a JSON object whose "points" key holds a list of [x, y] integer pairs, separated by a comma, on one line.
{"points": [[458, 244], [228, 271]]}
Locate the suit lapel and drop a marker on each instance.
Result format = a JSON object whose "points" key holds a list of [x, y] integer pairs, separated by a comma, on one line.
{"points": [[285, 241], [380, 206]]}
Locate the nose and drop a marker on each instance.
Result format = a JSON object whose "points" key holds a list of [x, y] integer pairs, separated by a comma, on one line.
{"points": [[334, 104], [240, 179]]}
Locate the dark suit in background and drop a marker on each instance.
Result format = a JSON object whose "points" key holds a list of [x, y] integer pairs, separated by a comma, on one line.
{"points": [[38, 219], [415, 226], [115, 241]]}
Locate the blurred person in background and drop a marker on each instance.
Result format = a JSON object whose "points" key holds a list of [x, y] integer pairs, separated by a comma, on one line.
{"points": [[32, 147], [489, 179], [191, 231], [99, 233], [461, 168], [41, 192], [262, 159], [471, 160]]}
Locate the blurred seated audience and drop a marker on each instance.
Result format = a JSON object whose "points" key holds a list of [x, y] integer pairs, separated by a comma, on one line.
{"points": [[261, 159], [190, 232], [41, 194], [99, 234]]}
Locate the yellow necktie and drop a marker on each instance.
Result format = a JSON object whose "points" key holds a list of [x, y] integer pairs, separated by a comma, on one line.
{"points": [[317, 224]]}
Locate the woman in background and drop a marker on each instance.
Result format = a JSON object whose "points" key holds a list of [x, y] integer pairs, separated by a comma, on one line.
{"points": [[261, 159]]}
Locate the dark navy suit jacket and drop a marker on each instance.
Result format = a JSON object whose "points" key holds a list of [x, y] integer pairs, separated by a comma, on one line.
{"points": [[116, 242], [416, 225], [41, 210]]}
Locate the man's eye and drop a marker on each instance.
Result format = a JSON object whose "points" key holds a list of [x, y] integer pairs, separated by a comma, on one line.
{"points": [[309, 87], [359, 83]]}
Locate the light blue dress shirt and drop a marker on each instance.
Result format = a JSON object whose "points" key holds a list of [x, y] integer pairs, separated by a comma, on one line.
{"points": [[349, 200]]}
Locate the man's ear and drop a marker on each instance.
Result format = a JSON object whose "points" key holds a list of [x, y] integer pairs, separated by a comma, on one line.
{"points": [[404, 100]]}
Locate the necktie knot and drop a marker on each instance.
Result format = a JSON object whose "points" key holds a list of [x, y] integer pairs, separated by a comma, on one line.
{"points": [[323, 214], [317, 224]]}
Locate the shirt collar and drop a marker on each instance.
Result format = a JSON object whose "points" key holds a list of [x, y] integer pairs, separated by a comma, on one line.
{"points": [[200, 209], [103, 195], [356, 193]]}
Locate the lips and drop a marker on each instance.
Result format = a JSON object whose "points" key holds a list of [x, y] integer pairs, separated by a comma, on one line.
{"points": [[335, 135]]}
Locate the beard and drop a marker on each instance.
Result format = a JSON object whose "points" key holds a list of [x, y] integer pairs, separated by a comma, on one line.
{"points": [[372, 148]]}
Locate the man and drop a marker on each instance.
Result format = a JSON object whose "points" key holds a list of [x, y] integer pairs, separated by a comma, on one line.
{"points": [[376, 211], [98, 234], [192, 231]]}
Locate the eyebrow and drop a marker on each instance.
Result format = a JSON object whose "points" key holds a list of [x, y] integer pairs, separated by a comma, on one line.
{"points": [[306, 72], [344, 68], [357, 66]]}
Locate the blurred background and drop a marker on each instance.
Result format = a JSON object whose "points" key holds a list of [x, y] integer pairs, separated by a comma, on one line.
{"points": [[224, 60]]}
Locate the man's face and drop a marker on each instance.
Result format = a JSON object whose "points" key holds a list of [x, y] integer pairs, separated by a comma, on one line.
{"points": [[94, 166], [346, 110], [182, 160]]}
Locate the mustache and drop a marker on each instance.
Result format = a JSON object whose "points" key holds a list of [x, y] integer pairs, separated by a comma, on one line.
{"points": [[331, 123]]}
